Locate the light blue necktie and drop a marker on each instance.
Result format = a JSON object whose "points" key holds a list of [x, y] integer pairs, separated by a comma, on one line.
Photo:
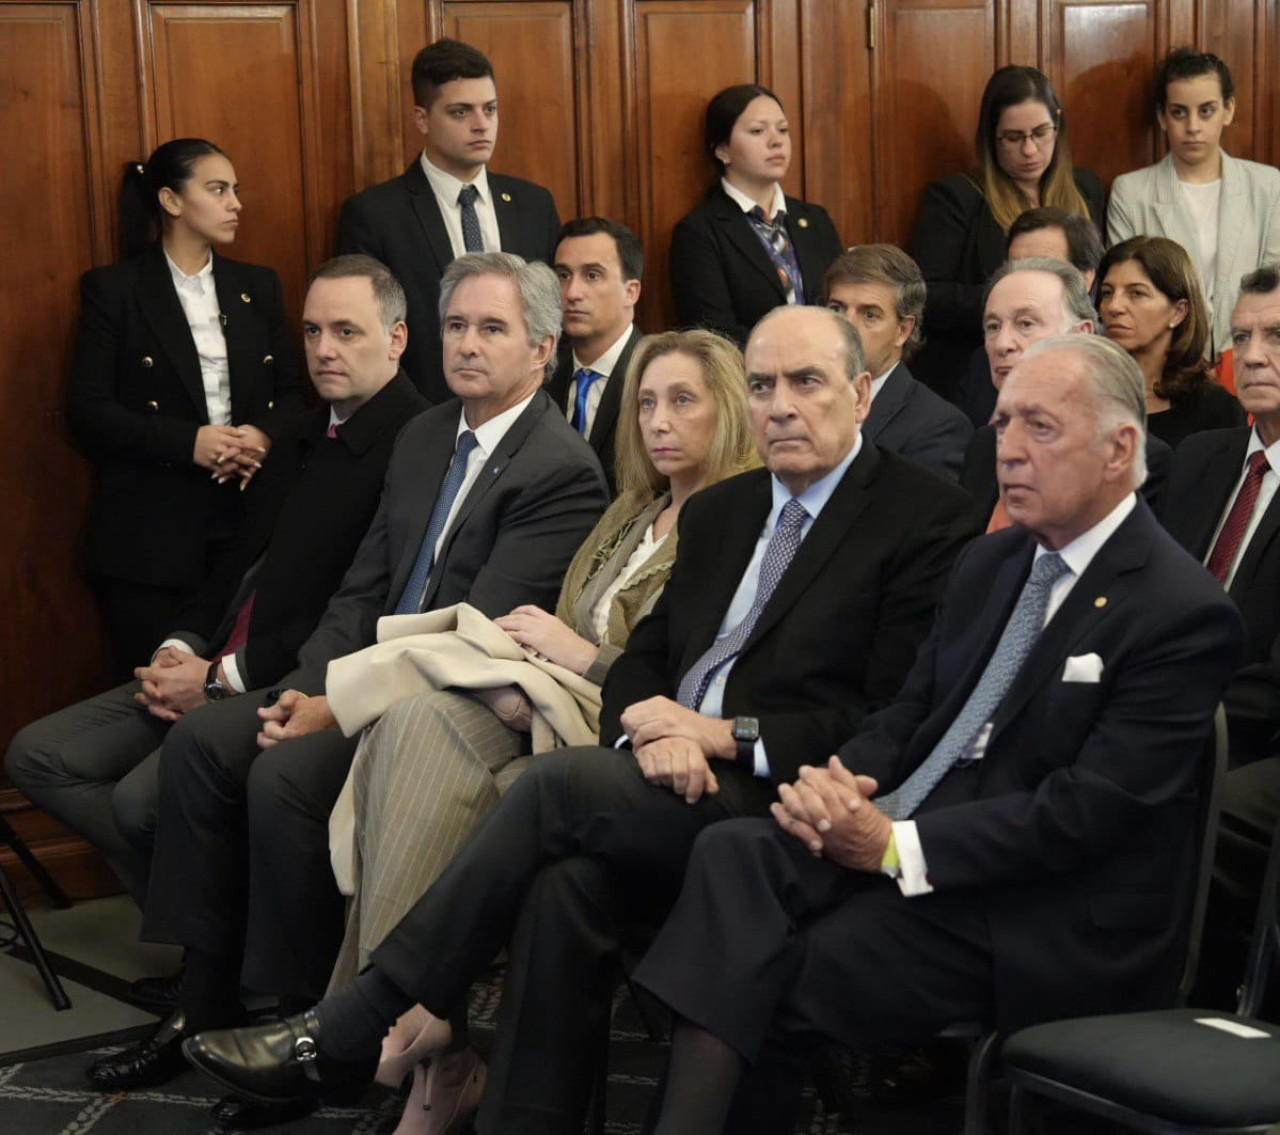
{"points": [[416, 587], [584, 378], [471, 238], [777, 555], [1020, 634]]}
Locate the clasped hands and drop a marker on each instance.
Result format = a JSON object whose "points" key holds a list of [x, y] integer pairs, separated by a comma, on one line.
{"points": [[674, 746], [293, 715], [173, 684], [829, 810], [231, 451]]}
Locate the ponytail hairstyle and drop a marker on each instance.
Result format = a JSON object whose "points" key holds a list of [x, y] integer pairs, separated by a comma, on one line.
{"points": [[169, 167], [1008, 87]]}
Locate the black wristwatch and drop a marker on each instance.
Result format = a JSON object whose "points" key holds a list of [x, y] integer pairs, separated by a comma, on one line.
{"points": [[214, 690], [746, 732]]}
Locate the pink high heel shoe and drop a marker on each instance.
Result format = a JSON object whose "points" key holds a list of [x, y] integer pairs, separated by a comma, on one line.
{"points": [[412, 1041], [444, 1095]]}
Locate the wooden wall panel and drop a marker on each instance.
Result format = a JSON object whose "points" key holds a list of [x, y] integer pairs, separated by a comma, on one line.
{"points": [[531, 46], [686, 51], [1101, 57], [931, 63], [209, 66], [50, 642], [1227, 29]]}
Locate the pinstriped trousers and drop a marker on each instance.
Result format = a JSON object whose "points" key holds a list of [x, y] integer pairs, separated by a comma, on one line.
{"points": [[425, 780]]}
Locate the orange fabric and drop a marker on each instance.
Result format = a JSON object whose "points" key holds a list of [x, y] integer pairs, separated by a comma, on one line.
{"points": [[999, 518]]}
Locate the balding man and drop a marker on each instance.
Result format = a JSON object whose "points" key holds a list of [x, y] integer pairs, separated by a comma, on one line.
{"points": [[797, 601], [1011, 840], [1028, 300]]}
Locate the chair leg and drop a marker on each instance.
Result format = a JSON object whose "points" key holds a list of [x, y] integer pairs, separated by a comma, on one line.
{"points": [[28, 935], [1019, 1110], [56, 894], [597, 1111], [977, 1099]]}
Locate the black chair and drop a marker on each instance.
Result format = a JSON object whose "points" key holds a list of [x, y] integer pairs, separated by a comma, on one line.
{"points": [[1185, 1071], [20, 920]]}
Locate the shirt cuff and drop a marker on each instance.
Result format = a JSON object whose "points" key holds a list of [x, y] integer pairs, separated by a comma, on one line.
{"points": [[623, 742], [181, 644], [761, 760], [231, 668], [913, 876]]}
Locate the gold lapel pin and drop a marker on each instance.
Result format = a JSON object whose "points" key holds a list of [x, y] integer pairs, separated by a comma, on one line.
{"points": [[245, 296], [1100, 602], [803, 222], [506, 197]]}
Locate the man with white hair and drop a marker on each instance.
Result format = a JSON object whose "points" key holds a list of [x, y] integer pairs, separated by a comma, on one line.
{"points": [[1028, 300], [1010, 840]]}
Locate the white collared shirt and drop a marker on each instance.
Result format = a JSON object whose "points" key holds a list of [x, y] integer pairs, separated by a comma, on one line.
{"points": [[603, 366], [1077, 555], [446, 187], [488, 437], [199, 299], [877, 384], [1266, 490], [746, 204]]}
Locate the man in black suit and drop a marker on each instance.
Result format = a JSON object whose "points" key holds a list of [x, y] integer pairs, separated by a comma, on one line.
{"points": [[798, 599], [879, 289], [487, 498], [94, 764], [1221, 505], [599, 263], [1011, 840], [1029, 300], [446, 203]]}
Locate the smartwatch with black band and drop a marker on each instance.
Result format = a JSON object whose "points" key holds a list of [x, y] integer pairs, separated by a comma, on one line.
{"points": [[746, 732]]}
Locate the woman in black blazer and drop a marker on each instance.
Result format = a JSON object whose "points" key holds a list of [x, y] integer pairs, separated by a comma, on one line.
{"points": [[1023, 162], [182, 364], [724, 275]]}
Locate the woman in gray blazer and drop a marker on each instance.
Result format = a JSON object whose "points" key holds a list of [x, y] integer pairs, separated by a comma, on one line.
{"points": [[1224, 211]]}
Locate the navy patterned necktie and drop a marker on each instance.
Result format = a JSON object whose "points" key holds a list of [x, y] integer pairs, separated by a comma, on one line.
{"points": [[777, 556], [1020, 634], [773, 234], [416, 586], [471, 237], [584, 378]]}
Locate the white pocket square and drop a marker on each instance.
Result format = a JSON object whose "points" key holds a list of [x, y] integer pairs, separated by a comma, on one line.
{"points": [[1083, 668]]}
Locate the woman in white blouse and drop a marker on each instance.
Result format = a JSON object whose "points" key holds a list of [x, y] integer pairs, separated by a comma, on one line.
{"points": [[183, 363], [1224, 211], [429, 769]]}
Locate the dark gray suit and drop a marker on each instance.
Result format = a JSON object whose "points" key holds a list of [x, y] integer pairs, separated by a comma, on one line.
{"points": [[910, 419], [242, 851]]}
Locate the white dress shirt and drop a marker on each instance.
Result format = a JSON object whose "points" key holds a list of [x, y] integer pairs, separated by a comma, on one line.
{"points": [[603, 366], [446, 187], [746, 204], [1077, 555], [199, 299], [1266, 490]]}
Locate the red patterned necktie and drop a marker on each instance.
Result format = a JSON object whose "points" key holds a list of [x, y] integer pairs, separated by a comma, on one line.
{"points": [[1237, 522]]}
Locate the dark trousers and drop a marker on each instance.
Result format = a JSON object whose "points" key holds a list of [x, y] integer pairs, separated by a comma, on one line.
{"points": [[581, 846], [242, 850], [769, 945]]}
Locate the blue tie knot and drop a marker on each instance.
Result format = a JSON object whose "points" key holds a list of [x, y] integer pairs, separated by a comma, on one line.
{"points": [[467, 195]]}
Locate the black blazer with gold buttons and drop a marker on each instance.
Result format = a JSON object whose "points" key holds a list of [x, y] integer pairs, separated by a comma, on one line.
{"points": [[136, 399]]}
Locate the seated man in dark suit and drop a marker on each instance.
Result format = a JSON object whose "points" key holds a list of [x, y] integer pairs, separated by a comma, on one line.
{"points": [[1029, 300], [798, 599], [487, 498], [1050, 232], [1012, 839], [880, 290], [599, 263], [1221, 504], [446, 203], [93, 765]]}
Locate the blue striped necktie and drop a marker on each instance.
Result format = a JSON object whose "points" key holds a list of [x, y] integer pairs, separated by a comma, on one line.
{"points": [[416, 587], [584, 378]]}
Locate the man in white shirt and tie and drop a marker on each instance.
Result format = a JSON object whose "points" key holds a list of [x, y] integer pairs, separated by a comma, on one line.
{"points": [[447, 202]]}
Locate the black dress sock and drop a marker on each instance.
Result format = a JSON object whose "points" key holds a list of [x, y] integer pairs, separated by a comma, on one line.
{"points": [[354, 1020]]}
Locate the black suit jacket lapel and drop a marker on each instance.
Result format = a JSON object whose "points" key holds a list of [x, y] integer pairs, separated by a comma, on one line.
{"points": [[513, 224], [236, 304], [557, 386], [804, 239], [733, 222], [158, 299], [886, 405], [426, 208], [606, 419], [1257, 547], [1218, 479]]}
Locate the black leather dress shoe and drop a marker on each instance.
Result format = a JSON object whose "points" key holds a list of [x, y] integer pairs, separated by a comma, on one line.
{"points": [[279, 1061], [232, 1113], [155, 994], [145, 1064]]}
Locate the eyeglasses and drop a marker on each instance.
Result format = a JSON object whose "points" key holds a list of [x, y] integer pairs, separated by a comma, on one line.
{"points": [[1016, 139]]}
